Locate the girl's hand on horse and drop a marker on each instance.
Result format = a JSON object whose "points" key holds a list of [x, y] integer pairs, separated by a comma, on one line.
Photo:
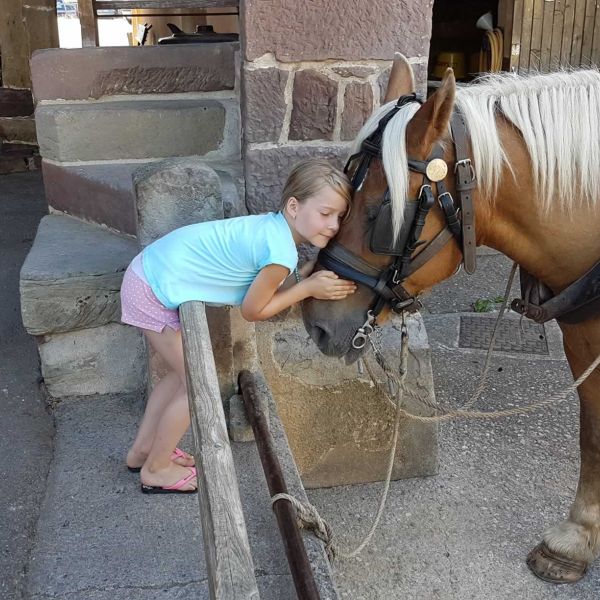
{"points": [[326, 285]]}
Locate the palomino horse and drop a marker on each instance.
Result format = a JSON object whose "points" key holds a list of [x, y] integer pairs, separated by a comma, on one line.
{"points": [[535, 149]]}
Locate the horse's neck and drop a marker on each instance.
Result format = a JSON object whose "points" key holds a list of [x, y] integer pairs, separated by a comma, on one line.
{"points": [[555, 247]]}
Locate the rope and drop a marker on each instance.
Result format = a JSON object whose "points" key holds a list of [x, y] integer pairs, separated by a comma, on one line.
{"points": [[308, 517]]}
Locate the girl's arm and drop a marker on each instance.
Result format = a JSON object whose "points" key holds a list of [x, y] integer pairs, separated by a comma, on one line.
{"points": [[265, 298]]}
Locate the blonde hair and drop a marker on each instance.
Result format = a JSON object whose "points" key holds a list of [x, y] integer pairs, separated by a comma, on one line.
{"points": [[310, 176]]}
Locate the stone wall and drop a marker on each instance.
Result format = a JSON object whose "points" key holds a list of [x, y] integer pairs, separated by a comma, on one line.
{"points": [[311, 75], [104, 112], [24, 28]]}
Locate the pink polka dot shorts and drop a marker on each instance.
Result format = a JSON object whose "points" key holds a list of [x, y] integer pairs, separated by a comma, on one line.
{"points": [[141, 308]]}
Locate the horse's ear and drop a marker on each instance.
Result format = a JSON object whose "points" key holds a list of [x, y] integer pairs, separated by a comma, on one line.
{"points": [[431, 120], [402, 80]]}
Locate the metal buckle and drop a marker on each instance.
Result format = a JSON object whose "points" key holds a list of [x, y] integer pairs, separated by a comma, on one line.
{"points": [[362, 335], [465, 162], [396, 278]]}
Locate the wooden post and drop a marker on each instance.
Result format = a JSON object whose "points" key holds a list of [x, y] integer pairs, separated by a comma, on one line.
{"points": [[86, 10], [228, 557]]}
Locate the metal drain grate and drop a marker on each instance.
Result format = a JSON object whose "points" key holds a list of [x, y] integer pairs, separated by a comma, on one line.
{"points": [[476, 332]]}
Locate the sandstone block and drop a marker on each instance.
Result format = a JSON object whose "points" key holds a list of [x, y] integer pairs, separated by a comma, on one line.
{"points": [[264, 104], [82, 73], [314, 104], [18, 129], [101, 193], [358, 106], [339, 29], [134, 129], [339, 428], [102, 360], [72, 276], [268, 168], [173, 193]]}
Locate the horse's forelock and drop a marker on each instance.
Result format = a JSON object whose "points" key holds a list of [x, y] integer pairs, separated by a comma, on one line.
{"points": [[394, 155]]}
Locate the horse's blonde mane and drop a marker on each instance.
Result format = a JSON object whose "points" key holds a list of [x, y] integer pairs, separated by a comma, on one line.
{"points": [[558, 115]]}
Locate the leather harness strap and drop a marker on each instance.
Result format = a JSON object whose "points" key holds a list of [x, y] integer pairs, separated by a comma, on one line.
{"points": [[465, 184]]}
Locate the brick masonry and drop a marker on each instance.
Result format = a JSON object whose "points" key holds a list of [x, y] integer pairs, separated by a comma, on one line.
{"points": [[85, 73]]}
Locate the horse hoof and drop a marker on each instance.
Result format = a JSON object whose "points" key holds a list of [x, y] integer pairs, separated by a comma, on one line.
{"points": [[555, 568]]}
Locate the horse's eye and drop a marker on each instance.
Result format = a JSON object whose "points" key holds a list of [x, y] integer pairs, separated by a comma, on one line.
{"points": [[372, 212]]}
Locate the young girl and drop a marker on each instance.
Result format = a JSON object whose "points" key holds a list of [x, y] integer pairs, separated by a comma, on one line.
{"points": [[240, 261]]}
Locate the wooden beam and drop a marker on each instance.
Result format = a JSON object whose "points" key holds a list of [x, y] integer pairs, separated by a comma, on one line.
{"points": [[87, 21], [226, 547], [130, 4]]}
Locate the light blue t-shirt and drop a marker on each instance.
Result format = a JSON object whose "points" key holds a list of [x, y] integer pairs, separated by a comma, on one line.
{"points": [[217, 261]]}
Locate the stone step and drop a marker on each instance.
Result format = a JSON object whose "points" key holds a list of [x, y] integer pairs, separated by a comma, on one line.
{"points": [[82, 73], [154, 128], [72, 276], [103, 192], [15, 102], [69, 286], [18, 129]]}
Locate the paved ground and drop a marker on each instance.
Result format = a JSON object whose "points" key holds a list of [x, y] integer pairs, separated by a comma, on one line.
{"points": [[461, 534], [26, 429]]}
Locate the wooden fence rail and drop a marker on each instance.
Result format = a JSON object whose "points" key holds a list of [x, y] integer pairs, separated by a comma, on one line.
{"points": [[228, 557]]}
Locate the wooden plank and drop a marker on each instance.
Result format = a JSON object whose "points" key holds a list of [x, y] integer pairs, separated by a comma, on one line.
{"points": [[226, 547], [596, 40], [87, 21], [505, 22], [515, 39], [588, 33], [535, 53], [577, 33], [166, 4], [565, 52], [547, 35], [527, 20], [557, 33]]}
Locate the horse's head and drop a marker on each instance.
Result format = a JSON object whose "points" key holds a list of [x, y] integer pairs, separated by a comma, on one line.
{"points": [[413, 133]]}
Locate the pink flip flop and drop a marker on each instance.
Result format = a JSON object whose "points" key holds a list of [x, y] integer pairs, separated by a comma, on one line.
{"points": [[172, 489], [177, 453]]}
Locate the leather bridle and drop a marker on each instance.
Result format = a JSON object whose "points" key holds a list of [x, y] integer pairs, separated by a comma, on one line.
{"points": [[387, 282]]}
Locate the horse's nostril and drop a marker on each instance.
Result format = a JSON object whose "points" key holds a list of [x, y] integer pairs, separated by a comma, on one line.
{"points": [[319, 334]]}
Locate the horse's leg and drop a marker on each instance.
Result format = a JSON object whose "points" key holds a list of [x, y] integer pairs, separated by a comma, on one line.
{"points": [[569, 547]]}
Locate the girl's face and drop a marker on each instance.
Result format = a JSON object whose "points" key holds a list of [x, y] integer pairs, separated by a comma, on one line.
{"points": [[317, 219]]}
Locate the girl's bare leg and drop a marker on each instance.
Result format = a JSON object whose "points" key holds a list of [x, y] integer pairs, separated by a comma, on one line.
{"points": [[162, 393], [173, 421]]}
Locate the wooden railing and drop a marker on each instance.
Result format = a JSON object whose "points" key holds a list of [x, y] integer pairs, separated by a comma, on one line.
{"points": [[228, 557]]}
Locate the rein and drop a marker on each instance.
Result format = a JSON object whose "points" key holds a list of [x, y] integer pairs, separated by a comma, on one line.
{"points": [[460, 222]]}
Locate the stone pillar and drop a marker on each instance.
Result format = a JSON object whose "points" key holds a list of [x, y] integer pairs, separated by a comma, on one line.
{"points": [[24, 27], [312, 73]]}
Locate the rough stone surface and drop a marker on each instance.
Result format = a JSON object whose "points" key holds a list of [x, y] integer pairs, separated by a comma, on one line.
{"points": [[81, 73], [267, 170], [238, 425], [18, 129], [129, 129], [339, 426], [355, 70], [101, 193], [340, 29], [264, 104], [314, 103], [72, 276], [102, 360], [15, 102], [358, 106], [173, 193]]}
